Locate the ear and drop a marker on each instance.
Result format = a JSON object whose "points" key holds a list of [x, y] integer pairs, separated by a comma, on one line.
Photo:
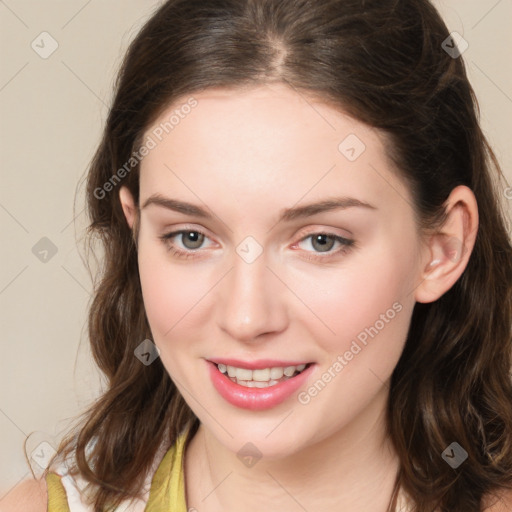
{"points": [[128, 205], [447, 252]]}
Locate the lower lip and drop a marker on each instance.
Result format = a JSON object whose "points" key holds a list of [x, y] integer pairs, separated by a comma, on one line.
{"points": [[256, 399]]}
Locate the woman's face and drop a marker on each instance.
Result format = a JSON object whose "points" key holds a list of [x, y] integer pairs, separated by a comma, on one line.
{"points": [[299, 248]]}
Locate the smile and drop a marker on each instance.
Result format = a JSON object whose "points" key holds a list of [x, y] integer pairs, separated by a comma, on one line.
{"points": [[261, 378], [259, 388]]}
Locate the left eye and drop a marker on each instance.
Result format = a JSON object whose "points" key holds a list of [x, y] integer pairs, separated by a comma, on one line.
{"points": [[324, 242]]}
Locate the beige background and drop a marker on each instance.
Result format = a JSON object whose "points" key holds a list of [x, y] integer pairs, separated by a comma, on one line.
{"points": [[52, 111]]}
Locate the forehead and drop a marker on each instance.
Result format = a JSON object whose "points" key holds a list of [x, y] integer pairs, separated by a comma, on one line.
{"points": [[263, 140]]}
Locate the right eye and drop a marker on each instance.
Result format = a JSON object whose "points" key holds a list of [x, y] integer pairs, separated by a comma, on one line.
{"points": [[191, 242]]}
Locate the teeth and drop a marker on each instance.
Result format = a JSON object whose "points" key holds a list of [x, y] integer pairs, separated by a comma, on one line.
{"points": [[261, 375], [261, 378], [276, 373], [243, 374], [289, 371], [256, 384]]}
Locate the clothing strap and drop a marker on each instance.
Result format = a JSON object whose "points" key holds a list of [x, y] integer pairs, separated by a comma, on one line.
{"points": [[57, 499], [168, 486]]}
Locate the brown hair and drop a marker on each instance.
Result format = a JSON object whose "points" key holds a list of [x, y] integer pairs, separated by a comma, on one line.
{"points": [[382, 62]]}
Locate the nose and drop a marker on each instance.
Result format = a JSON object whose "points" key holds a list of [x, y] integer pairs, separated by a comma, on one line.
{"points": [[252, 301]]}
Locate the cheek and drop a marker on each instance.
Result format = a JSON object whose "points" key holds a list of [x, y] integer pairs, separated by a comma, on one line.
{"points": [[172, 293], [368, 305], [368, 297]]}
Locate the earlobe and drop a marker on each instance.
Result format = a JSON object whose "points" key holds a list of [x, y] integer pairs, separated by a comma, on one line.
{"points": [[449, 249], [128, 205]]}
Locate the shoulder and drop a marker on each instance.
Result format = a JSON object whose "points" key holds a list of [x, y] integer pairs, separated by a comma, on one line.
{"points": [[28, 496], [498, 502]]}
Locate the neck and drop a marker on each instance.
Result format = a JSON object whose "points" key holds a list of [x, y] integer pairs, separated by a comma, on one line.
{"points": [[352, 469]]}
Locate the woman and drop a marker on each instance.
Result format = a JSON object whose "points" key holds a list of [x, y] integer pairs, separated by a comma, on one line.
{"points": [[306, 294]]}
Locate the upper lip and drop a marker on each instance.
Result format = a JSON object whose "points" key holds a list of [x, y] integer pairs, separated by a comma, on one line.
{"points": [[258, 364]]}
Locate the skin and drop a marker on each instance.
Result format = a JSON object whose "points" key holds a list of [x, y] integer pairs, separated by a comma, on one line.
{"points": [[269, 148], [28, 496]]}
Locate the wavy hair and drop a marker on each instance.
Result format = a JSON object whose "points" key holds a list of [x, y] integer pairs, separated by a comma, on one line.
{"points": [[382, 62]]}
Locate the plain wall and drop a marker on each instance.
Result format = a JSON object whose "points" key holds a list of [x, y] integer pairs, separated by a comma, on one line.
{"points": [[52, 112]]}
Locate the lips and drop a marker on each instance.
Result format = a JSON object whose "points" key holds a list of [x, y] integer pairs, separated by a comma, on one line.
{"points": [[263, 393]]}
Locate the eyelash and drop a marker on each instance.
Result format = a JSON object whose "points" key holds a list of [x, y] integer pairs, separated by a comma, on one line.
{"points": [[346, 245]]}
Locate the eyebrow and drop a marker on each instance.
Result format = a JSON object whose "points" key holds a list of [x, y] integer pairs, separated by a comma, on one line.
{"points": [[287, 215]]}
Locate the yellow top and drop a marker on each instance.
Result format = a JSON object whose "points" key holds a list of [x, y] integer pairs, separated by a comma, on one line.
{"points": [[167, 490]]}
